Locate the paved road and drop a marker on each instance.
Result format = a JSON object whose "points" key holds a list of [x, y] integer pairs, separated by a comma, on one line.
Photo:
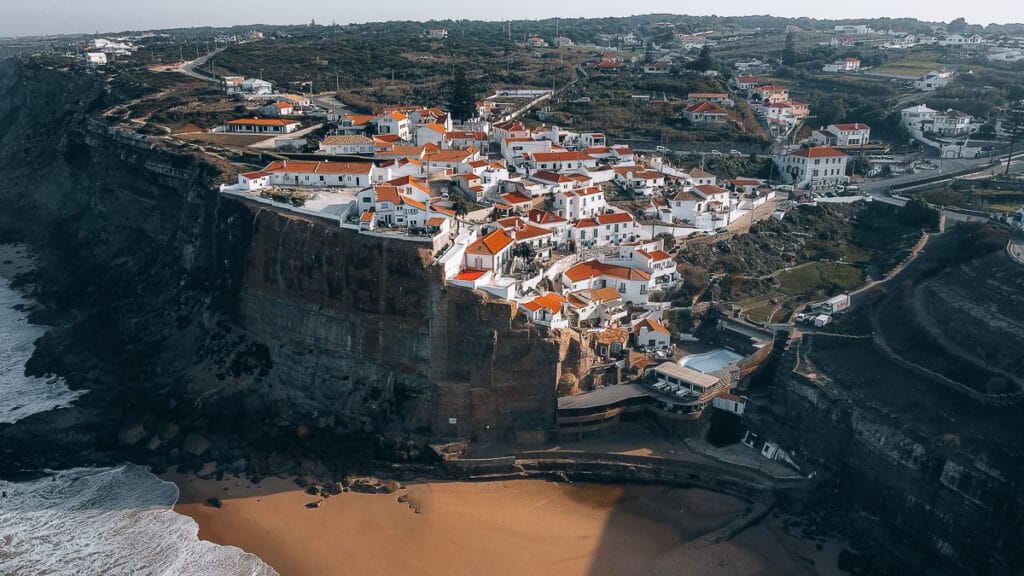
{"points": [[1016, 248], [190, 66]]}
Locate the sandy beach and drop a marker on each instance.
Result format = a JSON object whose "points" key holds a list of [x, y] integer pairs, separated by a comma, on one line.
{"points": [[493, 528]]}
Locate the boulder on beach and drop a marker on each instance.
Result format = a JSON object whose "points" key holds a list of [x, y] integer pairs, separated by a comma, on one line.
{"points": [[213, 503]]}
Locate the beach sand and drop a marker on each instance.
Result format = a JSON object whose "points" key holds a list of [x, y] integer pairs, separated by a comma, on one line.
{"points": [[492, 528]]}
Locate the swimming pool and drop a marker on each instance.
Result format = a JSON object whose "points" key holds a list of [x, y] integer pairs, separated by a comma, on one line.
{"points": [[712, 361]]}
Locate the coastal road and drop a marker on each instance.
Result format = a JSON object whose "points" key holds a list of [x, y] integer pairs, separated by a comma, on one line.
{"points": [[1016, 248], [189, 67]]}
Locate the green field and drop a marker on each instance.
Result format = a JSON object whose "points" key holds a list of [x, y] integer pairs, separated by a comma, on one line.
{"points": [[818, 279]]}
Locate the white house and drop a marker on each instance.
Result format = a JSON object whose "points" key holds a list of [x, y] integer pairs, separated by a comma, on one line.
{"points": [[951, 123], [306, 173], [277, 109], [859, 29], [558, 161], [263, 126], [256, 86], [612, 228], [814, 168], [934, 80], [514, 149], [490, 252], [394, 123], [916, 117], [547, 310], [843, 65], [705, 207], [509, 129], [854, 134], [640, 180], [648, 256], [340, 145], [961, 40], [575, 204], [96, 58], [650, 333], [430, 134], [707, 113], [632, 283], [437, 33], [744, 82]]}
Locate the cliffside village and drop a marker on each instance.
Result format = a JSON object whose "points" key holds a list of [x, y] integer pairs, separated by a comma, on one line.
{"points": [[526, 214]]}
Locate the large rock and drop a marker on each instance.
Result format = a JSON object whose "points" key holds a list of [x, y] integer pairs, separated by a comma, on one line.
{"points": [[131, 434], [196, 444]]}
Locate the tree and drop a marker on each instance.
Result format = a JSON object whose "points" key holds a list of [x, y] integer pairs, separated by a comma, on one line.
{"points": [[461, 96], [1013, 124], [789, 52], [704, 62], [958, 25], [917, 213], [668, 239]]}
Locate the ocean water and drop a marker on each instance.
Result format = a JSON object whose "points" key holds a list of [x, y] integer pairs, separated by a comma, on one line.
{"points": [[111, 521], [108, 521], [22, 395]]}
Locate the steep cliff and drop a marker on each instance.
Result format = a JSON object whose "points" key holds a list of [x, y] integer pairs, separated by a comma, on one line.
{"points": [[928, 474], [192, 316]]}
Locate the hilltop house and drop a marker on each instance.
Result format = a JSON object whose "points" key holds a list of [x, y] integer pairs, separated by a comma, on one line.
{"points": [[844, 65], [815, 168], [705, 113], [341, 145], [262, 126], [278, 109], [934, 80], [855, 134]]}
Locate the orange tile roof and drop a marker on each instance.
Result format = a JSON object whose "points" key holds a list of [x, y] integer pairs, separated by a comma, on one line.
{"points": [[436, 221], [549, 176], [652, 325], [614, 218], [706, 108], [492, 244], [388, 194], [367, 216], [710, 189], [559, 156], [436, 128], [699, 173], [606, 294], [358, 120], [516, 198], [263, 122], [612, 336], [659, 255], [415, 203], [551, 301], [254, 175], [469, 275], [819, 152], [307, 167], [854, 126], [596, 269], [539, 216]]}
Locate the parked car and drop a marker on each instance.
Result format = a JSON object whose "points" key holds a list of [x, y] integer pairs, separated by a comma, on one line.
{"points": [[715, 153], [735, 153], [784, 188], [661, 149]]}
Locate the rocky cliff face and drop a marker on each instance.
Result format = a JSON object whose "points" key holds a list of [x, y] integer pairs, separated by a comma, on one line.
{"points": [[928, 474], [195, 316]]}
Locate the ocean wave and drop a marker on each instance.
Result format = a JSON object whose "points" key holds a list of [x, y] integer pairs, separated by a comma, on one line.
{"points": [[22, 395], [110, 521]]}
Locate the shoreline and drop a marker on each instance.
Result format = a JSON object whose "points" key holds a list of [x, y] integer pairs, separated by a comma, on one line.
{"points": [[528, 526]]}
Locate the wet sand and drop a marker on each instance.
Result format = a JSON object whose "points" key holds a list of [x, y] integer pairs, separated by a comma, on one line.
{"points": [[494, 528]]}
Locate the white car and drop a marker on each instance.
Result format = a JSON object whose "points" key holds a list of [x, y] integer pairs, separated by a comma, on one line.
{"points": [[661, 148], [715, 153], [735, 153]]}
